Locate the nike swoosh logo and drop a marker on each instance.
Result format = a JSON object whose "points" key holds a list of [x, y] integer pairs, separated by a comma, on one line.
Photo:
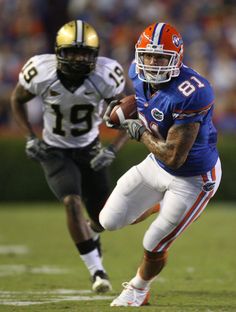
{"points": [[88, 92]]}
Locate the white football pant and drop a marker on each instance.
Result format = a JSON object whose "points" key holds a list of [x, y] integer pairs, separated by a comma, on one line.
{"points": [[143, 186]]}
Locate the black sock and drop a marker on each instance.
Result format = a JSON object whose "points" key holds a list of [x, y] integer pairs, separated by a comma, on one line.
{"points": [[86, 246]]}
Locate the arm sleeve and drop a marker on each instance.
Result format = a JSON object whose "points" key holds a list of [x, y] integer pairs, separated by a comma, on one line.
{"points": [[194, 108]]}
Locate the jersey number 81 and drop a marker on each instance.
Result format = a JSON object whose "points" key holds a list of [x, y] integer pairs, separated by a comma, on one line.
{"points": [[187, 87]]}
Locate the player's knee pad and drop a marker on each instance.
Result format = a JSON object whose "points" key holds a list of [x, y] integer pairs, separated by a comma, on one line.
{"points": [[114, 214], [107, 222], [156, 233]]}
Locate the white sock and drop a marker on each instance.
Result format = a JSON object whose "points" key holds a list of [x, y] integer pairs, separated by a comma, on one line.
{"points": [[140, 283], [93, 261]]}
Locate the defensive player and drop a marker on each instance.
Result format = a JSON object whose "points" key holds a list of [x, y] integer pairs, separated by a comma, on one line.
{"points": [[74, 84], [175, 106]]}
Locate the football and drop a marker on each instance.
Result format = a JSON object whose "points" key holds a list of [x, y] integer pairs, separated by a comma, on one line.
{"points": [[125, 109]]}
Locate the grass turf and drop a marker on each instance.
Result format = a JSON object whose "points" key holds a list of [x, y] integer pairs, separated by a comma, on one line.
{"points": [[200, 275]]}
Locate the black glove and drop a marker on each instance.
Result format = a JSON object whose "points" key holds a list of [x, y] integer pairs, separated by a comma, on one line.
{"points": [[106, 116], [36, 149], [104, 158], [134, 128]]}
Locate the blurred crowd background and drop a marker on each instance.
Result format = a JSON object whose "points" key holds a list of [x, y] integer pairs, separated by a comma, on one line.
{"points": [[208, 27]]}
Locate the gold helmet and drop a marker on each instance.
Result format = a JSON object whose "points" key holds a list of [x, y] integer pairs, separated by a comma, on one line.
{"points": [[77, 46]]}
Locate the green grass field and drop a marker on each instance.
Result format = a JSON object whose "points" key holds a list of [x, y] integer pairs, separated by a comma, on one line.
{"points": [[40, 269]]}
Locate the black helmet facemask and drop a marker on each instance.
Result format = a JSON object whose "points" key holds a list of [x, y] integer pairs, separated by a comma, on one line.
{"points": [[76, 61]]}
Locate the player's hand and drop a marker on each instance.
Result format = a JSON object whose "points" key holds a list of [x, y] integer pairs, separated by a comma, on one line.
{"points": [[103, 159], [36, 149], [134, 128], [106, 116]]}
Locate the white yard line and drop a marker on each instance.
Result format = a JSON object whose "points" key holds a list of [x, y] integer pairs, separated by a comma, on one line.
{"points": [[59, 295], [7, 269], [47, 292], [13, 250]]}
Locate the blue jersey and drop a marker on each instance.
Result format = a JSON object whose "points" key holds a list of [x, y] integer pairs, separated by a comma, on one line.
{"points": [[185, 99]]}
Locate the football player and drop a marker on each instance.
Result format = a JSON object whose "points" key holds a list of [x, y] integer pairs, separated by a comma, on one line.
{"points": [[74, 84], [183, 171]]}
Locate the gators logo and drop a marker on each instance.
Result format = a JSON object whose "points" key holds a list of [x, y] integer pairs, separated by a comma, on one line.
{"points": [[177, 41], [208, 186], [157, 114]]}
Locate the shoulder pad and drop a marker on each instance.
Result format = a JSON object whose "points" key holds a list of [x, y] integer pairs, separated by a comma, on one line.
{"points": [[109, 77], [132, 70], [36, 73]]}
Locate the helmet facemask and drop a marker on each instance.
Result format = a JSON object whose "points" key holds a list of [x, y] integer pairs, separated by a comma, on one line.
{"points": [[156, 74], [76, 61], [159, 53]]}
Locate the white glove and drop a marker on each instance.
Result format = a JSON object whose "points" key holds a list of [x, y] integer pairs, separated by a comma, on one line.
{"points": [[36, 149], [103, 159], [134, 128]]}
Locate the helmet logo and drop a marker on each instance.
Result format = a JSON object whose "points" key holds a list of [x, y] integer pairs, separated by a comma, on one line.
{"points": [[157, 114], [177, 41]]}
